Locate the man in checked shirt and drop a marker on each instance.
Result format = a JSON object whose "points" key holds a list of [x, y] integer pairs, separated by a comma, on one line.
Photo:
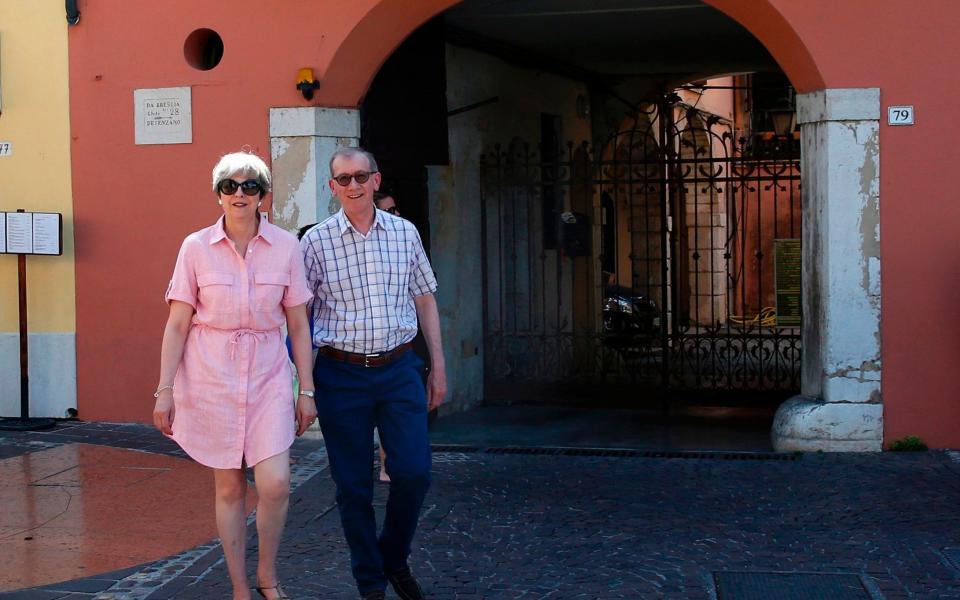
{"points": [[371, 282]]}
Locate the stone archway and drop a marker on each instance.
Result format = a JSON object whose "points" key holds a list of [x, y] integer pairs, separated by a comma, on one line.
{"points": [[840, 407]]}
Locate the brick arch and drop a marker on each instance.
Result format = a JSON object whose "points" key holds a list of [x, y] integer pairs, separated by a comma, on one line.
{"points": [[387, 23]]}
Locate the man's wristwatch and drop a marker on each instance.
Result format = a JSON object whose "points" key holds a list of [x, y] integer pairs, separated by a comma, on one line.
{"points": [[307, 393]]}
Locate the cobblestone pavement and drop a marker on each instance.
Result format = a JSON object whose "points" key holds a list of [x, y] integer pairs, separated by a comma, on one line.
{"points": [[504, 525]]}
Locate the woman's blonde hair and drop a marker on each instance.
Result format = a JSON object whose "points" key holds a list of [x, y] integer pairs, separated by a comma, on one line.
{"points": [[244, 163]]}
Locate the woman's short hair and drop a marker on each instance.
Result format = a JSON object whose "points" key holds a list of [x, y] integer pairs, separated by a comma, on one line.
{"points": [[245, 164]]}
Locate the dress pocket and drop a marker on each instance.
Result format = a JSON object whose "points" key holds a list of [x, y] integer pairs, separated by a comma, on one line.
{"points": [[268, 290], [216, 291]]}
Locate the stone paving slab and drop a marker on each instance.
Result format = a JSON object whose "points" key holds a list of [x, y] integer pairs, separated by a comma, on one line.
{"points": [[569, 527]]}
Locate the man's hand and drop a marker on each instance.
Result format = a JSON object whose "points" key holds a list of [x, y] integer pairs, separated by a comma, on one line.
{"points": [[306, 413], [429, 318], [436, 388]]}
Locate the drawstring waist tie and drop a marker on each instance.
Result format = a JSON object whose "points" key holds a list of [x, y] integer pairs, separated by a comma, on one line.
{"points": [[237, 335]]}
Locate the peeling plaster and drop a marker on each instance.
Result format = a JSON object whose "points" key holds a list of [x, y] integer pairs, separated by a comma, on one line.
{"points": [[290, 164], [866, 366], [870, 222]]}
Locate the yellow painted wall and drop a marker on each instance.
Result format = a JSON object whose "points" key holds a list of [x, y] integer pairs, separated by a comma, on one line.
{"points": [[35, 119]]}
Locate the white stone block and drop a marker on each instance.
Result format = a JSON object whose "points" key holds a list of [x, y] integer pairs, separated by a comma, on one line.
{"points": [[850, 389], [839, 104], [806, 425], [315, 121]]}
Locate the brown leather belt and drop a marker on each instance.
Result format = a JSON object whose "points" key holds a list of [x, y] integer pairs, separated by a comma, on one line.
{"points": [[366, 360]]}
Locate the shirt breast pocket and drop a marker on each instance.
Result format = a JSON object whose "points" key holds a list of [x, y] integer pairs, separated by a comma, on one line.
{"points": [[398, 278], [268, 289], [216, 291]]}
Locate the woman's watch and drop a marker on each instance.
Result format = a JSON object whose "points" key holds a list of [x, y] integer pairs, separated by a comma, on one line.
{"points": [[307, 393]]}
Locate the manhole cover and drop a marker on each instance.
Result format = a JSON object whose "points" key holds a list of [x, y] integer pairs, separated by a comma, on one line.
{"points": [[789, 586]]}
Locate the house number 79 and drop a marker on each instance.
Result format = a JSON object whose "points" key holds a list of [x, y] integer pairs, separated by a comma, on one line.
{"points": [[899, 115]]}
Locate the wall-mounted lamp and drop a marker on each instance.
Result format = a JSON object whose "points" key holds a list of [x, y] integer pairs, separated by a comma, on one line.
{"points": [[73, 13], [784, 121], [306, 83]]}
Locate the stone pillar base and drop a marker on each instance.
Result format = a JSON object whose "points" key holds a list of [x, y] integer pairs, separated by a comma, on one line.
{"points": [[804, 424]]}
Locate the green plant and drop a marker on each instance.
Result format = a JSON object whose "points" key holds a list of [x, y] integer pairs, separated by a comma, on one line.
{"points": [[911, 443]]}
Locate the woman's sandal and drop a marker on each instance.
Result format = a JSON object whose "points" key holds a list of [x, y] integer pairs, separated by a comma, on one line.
{"points": [[281, 595]]}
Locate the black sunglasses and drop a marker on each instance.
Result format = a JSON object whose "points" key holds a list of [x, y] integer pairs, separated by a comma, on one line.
{"points": [[361, 177], [392, 210], [250, 187]]}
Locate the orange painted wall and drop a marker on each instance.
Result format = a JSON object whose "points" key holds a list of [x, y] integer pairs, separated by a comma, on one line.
{"points": [[869, 43], [135, 203]]}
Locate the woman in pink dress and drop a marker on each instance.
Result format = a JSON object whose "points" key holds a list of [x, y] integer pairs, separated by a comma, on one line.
{"points": [[225, 392]]}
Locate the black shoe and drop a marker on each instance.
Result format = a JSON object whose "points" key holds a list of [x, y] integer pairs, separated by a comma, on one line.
{"points": [[375, 595], [405, 585]]}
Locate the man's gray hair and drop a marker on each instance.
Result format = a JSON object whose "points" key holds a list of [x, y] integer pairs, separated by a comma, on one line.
{"points": [[244, 164], [350, 152]]}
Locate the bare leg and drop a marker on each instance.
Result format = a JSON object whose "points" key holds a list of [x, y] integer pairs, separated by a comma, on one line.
{"points": [[383, 465], [231, 491], [273, 489]]}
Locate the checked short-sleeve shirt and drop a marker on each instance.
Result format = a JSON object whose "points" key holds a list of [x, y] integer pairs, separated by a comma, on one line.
{"points": [[364, 286]]}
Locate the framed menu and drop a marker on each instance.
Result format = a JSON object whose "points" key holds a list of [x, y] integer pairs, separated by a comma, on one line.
{"points": [[31, 233]]}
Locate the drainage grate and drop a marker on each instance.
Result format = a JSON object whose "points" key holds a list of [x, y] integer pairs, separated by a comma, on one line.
{"points": [[953, 557], [614, 452], [455, 448], [789, 586]]}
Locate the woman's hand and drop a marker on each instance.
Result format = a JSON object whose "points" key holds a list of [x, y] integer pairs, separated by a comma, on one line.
{"points": [[163, 412], [306, 413], [171, 351]]}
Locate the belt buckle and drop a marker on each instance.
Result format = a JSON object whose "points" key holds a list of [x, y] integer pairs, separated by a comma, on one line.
{"points": [[366, 359]]}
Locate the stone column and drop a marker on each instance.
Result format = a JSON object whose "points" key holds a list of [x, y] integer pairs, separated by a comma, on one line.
{"points": [[840, 407], [301, 142]]}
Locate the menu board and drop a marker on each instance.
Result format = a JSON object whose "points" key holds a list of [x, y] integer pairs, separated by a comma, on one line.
{"points": [[46, 234], [19, 233], [31, 233], [788, 275]]}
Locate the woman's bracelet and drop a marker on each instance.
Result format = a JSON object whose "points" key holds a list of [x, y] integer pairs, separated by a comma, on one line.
{"points": [[156, 394]]}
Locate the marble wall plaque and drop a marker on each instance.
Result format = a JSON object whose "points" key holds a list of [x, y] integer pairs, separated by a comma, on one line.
{"points": [[163, 116]]}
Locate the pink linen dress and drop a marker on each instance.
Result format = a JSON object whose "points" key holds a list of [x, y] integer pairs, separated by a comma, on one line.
{"points": [[233, 392]]}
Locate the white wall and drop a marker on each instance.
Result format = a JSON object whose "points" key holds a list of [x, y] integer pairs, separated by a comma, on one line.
{"points": [[52, 368], [455, 215]]}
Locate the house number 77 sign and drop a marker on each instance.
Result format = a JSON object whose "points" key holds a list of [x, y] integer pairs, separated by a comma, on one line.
{"points": [[899, 115]]}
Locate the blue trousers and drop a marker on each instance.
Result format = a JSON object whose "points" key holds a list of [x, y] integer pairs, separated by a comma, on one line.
{"points": [[351, 400]]}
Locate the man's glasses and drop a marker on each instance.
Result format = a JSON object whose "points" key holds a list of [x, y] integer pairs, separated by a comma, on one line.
{"points": [[250, 187], [344, 180]]}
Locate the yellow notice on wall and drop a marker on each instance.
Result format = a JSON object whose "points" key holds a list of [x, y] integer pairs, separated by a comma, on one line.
{"points": [[788, 276]]}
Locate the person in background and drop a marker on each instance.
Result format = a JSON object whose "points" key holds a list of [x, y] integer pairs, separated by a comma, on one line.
{"points": [[372, 282], [225, 392], [388, 204]]}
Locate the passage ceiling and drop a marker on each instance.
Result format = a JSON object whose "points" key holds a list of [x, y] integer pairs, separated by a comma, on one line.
{"points": [[613, 39]]}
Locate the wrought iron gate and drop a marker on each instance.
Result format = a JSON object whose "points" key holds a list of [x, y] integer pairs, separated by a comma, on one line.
{"points": [[646, 260]]}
